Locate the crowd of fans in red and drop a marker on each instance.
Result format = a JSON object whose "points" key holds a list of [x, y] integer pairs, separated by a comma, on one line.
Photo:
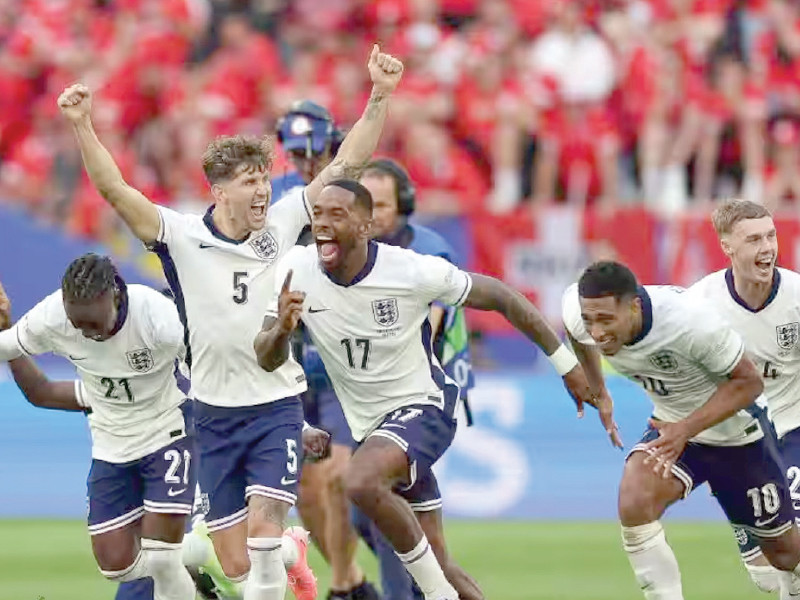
{"points": [[504, 103]]}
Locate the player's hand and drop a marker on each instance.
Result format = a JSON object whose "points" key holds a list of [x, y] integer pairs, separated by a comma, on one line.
{"points": [[316, 444], [578, 387], [664, 451], [5, 310], [290, 306], [605, 409], [385, 71], [75, 102]]}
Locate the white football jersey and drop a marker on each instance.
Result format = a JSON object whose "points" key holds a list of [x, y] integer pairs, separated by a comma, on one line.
{"points": [[683, 352], [373, 334], [222, 287], [127, 380], [771, 336]]}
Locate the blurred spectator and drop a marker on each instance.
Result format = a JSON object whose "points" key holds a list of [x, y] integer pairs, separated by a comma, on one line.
{"points": [[783, 173]]}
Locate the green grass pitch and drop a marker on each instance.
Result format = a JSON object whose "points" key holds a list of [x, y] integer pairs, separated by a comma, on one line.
{"points": [[51, 560]]}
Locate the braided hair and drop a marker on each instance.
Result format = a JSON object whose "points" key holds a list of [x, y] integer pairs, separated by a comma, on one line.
{"points": [[88, 277]]}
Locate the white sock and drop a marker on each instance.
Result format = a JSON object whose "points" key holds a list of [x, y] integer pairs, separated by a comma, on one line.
{"points": [[289, 551], [165, 565], [136, 571], [239, 583], [653, 561], [197, 549], [421, 563], [267, 579], [765, 577]]}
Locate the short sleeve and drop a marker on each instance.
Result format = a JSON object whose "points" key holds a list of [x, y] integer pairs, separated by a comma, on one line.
{"points": [[442, 281], [571, 316], [172, 224], [81, 395], [291, 213], [167, 328], [713, 344], [35, 330]]}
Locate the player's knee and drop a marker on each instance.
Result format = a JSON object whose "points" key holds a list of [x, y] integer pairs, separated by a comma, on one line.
{"points": [[783, 557], [765, 577], [360, 486], [114, 560], [637, 504]]}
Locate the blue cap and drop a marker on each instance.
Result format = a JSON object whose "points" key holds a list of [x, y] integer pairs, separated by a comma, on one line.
{"points": [[307, 126]]}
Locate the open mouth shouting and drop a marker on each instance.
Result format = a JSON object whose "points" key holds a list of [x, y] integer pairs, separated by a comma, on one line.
{"points": [[328, 250]]}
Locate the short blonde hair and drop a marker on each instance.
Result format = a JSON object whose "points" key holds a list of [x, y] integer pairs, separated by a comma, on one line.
{"points": [[225, 154], [730, 212]]}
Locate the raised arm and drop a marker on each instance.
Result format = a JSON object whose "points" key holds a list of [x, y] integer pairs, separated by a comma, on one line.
{"points": [[136, 210], [272, 342], [357, 148], [488, 293]]}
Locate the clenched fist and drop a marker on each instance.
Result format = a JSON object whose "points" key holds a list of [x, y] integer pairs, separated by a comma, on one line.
{"points": [[75, 102], [385, 71]]}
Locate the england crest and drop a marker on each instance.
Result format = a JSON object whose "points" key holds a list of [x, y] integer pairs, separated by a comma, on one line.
{"points": [[385, 311], [664, 361], [140, 361], [265, 246], [788, 334]]}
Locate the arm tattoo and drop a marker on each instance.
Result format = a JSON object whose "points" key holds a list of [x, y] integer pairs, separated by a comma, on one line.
{"points": [[374, 105], [341, 169]]}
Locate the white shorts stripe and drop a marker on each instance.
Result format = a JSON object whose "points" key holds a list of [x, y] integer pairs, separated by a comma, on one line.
{"points": [[268, 492], [168, 507], [427, 506], [228, 521], [769, 533], [389, 435], [117, 522], [680, 474]]}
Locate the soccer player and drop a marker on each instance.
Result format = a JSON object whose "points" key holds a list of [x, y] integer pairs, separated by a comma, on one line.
{"points": [[393, 202], [220, 267], [124, 341], [761, 302], [310, 137], [366, 307], [693, 367]]}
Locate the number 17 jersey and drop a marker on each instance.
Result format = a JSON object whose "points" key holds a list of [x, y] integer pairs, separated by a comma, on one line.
{"points": [[373, 334]]}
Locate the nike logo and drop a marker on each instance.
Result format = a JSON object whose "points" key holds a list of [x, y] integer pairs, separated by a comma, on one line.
{"points": [[171, 492], [761, 523], [77, 357], [316, 310], [285, 481], [204, 246]]}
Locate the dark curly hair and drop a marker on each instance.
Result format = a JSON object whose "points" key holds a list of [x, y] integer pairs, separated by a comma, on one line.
{"points": [[88, 277]]}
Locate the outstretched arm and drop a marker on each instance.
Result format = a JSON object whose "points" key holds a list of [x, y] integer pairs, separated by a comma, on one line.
{"points": [[140, 214], [39, 390], [488, 293], [362, 140]]}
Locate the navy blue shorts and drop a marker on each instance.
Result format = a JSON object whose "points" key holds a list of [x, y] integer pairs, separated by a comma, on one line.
{"points": [[748, 482], [424, 433], [246, 451], [323, 411], [161, 482]]}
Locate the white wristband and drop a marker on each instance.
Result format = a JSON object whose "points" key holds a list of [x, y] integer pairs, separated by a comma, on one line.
{"points": [[563, 360]]}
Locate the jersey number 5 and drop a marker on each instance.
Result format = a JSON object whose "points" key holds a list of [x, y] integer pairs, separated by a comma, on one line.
{"points": [[240, 287], [362, 343]]}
